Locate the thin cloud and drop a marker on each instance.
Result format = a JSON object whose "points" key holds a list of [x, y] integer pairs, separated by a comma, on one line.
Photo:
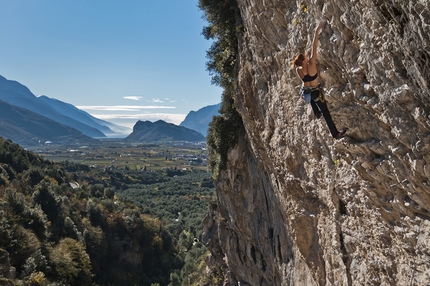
{"points": [[136, 98], [168, 117], [128, 115], [141, 115], [123, 107], [156, 100]]}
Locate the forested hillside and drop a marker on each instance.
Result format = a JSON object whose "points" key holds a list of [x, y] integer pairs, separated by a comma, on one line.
{"points": [[69, 224]]}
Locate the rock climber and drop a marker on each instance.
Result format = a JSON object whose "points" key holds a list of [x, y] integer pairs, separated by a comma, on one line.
{"points": [[306, 68]]}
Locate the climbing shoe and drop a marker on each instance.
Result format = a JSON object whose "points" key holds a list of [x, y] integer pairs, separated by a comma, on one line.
{"points": [[340, 134]]}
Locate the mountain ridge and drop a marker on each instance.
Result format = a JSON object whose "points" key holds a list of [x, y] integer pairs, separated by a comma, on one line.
{"points": [[199, 120], [72, 111], [25, 108], [28, 128], [147, 131], [19, 95]]}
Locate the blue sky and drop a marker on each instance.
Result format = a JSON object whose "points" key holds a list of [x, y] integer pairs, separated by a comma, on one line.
{"points": [[121, 61]]}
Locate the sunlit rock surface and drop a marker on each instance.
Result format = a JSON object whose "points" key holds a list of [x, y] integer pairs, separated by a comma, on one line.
{"points": [[297, 207]]}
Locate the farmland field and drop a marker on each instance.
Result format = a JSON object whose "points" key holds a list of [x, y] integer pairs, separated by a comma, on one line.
{"points": [[131, 156]]}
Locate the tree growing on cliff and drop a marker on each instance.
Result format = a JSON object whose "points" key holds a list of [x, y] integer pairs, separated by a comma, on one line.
{"points": [[223, 132], [221, 16]]}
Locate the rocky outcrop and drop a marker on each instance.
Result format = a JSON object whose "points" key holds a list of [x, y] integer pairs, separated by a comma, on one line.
{"points": [[295, 206]]}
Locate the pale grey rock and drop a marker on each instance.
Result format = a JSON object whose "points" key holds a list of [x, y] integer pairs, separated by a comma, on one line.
{"points": [[295, 206]]}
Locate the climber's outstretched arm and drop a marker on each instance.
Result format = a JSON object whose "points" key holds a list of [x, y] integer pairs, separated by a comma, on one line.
{"points": [[313, 55]]}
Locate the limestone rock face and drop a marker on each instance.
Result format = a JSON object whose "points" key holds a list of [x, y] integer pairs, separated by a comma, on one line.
{"points": [[297, 207]]}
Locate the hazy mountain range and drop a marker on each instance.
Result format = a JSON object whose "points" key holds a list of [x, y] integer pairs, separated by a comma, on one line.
{"points": [[160, 130], [28, 120], [199, 120], [19, 95], [28, 128]]}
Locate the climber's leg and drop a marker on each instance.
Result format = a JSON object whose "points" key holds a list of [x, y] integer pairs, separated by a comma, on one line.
{"points": [[323, 107], [315, 108]]}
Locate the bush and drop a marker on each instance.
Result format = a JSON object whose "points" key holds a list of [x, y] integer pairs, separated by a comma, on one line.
{"points": [[36, 262], [221, 15], [71, 263], [26, 244], [224, 130], [45, 197], [34, 176], [223, 134], [94, 213], [37, 279]]}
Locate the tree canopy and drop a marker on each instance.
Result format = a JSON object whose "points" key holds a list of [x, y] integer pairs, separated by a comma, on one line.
{"points": [[224, 22]]}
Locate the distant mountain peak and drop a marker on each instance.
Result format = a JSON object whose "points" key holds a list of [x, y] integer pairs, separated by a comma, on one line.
{"points": [[199, 120], [160, 130], [17, 94], [28, 128]]}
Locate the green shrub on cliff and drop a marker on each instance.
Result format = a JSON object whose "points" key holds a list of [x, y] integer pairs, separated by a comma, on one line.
{"points": [[224, 129], [223, 134], [221, 16]]}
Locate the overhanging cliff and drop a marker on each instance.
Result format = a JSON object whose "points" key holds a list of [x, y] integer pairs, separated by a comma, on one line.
{"points": [[295, 206]]}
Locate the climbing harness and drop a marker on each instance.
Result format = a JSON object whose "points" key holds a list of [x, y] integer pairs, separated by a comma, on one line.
{"points": [[314, 93]]}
